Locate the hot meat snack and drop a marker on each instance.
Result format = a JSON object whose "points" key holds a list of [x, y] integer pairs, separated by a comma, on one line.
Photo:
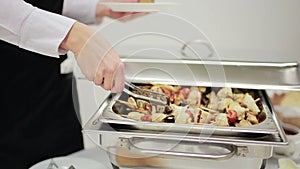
{"points": [[195, 105]]}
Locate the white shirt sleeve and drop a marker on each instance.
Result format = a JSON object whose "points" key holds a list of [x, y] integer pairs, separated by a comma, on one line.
{"points": [[81, 10], [33, 29]]}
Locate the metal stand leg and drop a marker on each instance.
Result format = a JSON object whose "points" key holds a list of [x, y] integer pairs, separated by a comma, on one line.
{"points": [[115, 167], [263, 164]]}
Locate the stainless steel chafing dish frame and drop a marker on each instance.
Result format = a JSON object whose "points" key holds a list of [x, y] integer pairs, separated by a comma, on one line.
{"points": [[117, 137], [250, 135], [114, 133]]}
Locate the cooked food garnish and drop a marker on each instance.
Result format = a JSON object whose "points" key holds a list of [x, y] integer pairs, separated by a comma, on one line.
{"points": [[135, 116], [235, 106], [243, 123], [195, 105], [221, 120], [251, 104]]}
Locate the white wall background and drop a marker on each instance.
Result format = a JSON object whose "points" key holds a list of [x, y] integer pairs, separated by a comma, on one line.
{"points": [[251, 29], [240, 30]]}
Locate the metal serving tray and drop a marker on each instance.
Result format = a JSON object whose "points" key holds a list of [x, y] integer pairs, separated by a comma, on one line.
{"points": [[110, 130], [269, 126]]}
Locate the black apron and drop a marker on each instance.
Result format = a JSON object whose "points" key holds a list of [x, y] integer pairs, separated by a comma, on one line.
{"points": [[37, 117]]}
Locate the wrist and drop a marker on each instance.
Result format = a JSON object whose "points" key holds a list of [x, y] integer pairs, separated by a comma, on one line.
{"points": [[77, 37]]}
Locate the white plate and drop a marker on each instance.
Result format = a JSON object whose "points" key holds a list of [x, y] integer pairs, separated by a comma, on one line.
{"points": [[66, 162], [138, 7]]}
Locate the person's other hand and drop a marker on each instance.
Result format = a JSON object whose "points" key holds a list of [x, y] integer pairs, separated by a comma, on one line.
{"points": [[96, 58], [104, 11]]}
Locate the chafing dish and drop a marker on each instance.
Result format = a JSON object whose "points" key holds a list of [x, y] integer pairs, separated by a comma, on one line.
{"points": [[160, 145]]}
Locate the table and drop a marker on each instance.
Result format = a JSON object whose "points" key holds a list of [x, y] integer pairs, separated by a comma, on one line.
{"points": [[100, 155]]}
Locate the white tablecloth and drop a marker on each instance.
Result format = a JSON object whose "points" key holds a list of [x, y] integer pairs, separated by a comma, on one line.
{"points": [[101, 156]]}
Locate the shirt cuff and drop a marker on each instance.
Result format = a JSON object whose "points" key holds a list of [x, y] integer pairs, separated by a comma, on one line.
{"points": [[81, 10], [43, 32]]}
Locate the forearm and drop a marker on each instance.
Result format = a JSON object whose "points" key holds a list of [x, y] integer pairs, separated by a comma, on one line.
{"points": [[77, 37], [97, 60], [32, 29]]}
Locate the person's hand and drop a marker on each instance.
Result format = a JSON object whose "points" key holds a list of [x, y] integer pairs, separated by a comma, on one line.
{"points": [[104, 11], [96, 58]]}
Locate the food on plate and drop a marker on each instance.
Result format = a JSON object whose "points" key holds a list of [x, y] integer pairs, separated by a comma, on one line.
{"points": [[291, 99], [287, 106], [287, 99], [146, 1], [195, 105]]}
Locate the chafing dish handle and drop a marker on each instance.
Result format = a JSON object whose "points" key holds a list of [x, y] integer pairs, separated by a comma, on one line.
{"points": [[232, 151], [198, 41]]}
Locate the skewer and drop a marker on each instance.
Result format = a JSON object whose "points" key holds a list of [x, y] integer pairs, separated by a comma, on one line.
{"points": [[209, 110], [258, 99], [123, 115]]}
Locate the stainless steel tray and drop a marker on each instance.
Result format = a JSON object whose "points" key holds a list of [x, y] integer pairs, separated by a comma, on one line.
{"points": [[110, 133], [269, 126]]}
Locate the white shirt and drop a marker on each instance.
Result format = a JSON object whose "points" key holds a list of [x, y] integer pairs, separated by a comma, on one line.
{"points": [[40, 31]]}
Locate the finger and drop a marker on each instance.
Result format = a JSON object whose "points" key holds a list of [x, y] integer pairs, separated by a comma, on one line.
{"points": [[127, 17], [130, 16], [108, 78], [99, 79], [99, 72], [119, 79]]}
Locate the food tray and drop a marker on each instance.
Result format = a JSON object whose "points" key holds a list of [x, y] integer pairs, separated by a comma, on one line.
{"points": [[267, 127]]}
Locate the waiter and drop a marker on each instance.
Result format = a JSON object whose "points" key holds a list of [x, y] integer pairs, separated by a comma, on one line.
{"points": [[38, 119]]}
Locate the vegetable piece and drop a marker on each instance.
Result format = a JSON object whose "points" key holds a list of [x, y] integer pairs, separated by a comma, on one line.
{"points": [[148, 106], [239, 109], [172, 99], [232, 116]]}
